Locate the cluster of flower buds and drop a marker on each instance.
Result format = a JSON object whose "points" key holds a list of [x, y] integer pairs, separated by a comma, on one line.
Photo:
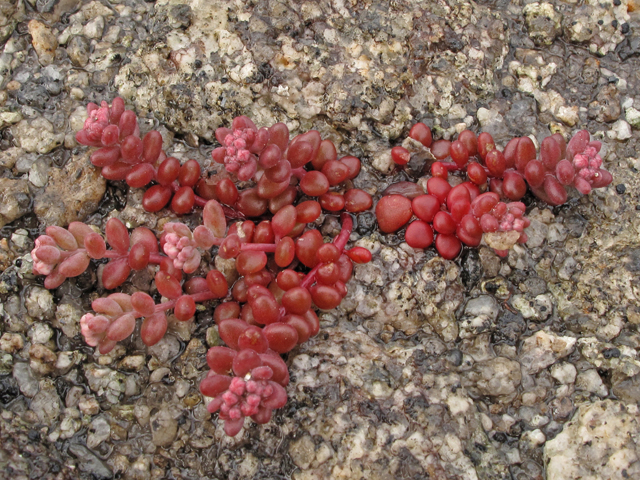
{"points": [[122, 153], [255, 389], [561, 165], [462, 214]]}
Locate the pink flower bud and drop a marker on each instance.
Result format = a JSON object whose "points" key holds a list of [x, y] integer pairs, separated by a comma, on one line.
{"points": [[584, 173], [267, 391], [580, 161], [172, 238], [237, 386], [253, 400], [171, 250], [248, 410], [252, 386], [234, 413], [230, 398], [518, 225], [590, 151]]}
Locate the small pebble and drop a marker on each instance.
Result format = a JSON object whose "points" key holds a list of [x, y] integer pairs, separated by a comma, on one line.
{"points": [[620, 188], [500, 437], [44, 41], [611, 353], [76, 93], [88, 405]]}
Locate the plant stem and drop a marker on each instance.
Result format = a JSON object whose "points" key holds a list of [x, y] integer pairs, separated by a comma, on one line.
{"points": [[340, 241], [197, 297]]}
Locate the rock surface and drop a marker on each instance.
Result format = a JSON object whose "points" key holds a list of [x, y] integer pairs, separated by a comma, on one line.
{"points": [[72, 193], [599, 442], [478, 368], [14, 198]]}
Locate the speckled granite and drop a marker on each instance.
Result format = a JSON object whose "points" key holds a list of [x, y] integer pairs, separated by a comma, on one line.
{"points": [[481, 368]]}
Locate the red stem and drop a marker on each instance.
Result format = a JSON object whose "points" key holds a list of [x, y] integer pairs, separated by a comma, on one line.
{"points": [[154, 258], [199, 201], [259, 247], [197, 297], [347, 226], [451, 166], [232, 213], [310, 277], [340, 241]]}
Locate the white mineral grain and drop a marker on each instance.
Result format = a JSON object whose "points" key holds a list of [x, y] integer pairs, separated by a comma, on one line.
{"points": [[590, 381], [88, 405], [597, 443], [105, 382], [633, 117], [99, 431], [46, 403], [543, 349], [69, 425], [620, 130], [37, 135], [40, 332], [94, 28], [564, 372]]}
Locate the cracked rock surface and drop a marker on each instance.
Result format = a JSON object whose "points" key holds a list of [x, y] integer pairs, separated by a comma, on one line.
{"points": [[523, 367]]}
